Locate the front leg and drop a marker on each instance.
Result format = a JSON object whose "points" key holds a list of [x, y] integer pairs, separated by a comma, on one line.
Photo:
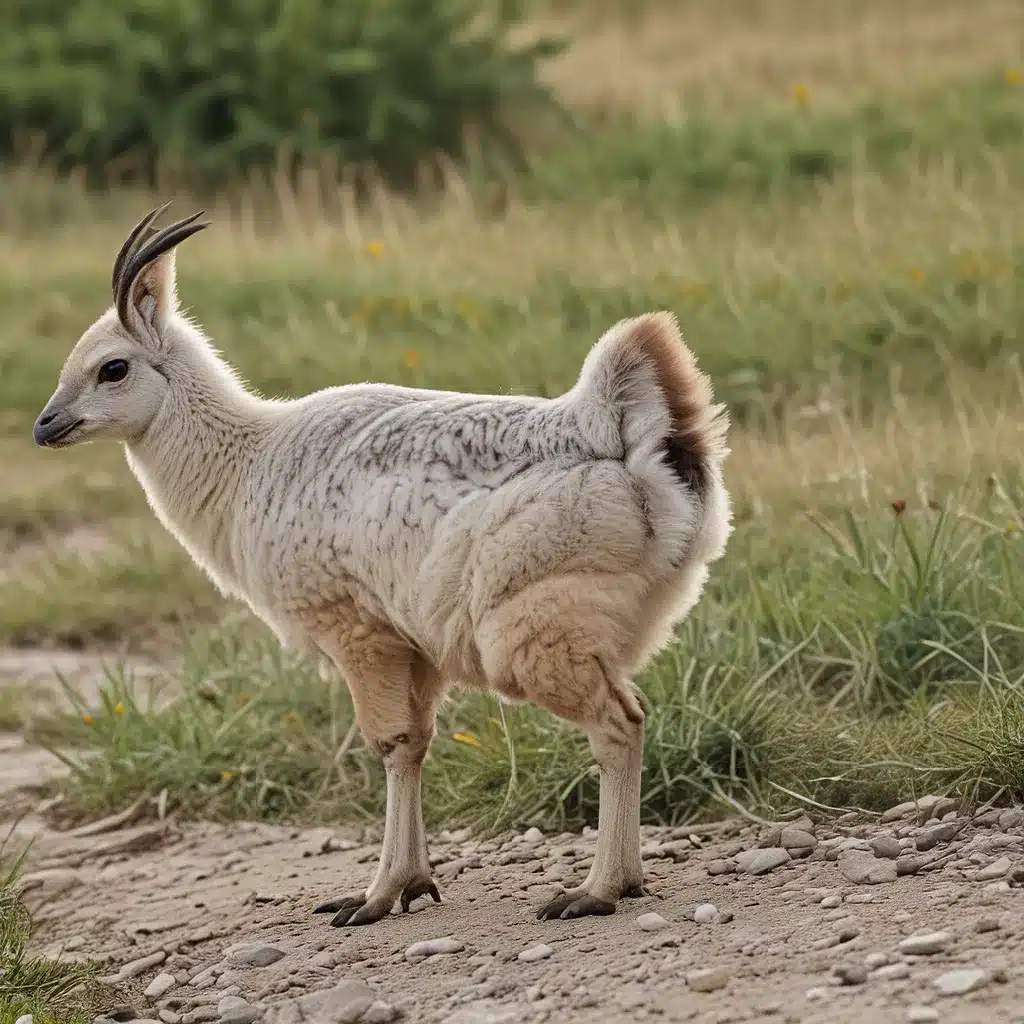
{"points": [[403, 871], [395, 694]]}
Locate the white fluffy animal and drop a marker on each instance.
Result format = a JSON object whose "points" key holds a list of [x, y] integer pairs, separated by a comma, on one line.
{"points": [[538, 548]]}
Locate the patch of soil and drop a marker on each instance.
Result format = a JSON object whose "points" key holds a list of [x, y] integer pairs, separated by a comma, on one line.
{"points": [[819, 937]]}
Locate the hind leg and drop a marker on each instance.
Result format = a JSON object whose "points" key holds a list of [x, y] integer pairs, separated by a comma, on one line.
{"points": [[395, 696], [564, 670]]}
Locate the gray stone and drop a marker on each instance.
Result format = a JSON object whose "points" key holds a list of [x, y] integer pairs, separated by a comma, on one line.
{"points": [[987, 924], [24, 1019], [535, 953], [850, 974], [939, 834], [760, 862], [651, 922], [533, 835], [343, 1004], [200, 1014], [1011, 818], [720, 867], [232, 1002], [244, 1014], [924, 945], [706, 913], [891, 972], [831, 902], [887, 847], [160, 985], [708, 979], [434, 947], [255, 954], [918, 1014], [865, 869], [380, 1013], [797, 839], [961, 980], [897, 812], [995, 870]]}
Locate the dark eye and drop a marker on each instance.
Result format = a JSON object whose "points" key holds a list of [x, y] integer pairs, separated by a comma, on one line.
{"points": [[115, 370]]}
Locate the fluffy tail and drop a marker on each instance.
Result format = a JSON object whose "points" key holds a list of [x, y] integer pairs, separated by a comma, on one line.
{"points": [[642, 372]]}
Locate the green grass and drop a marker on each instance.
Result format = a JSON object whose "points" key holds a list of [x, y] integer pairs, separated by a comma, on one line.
{"points": [[881, 658], [52, 991]]}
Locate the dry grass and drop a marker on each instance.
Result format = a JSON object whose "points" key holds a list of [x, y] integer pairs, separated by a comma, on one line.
{"points": [[669, 55]]}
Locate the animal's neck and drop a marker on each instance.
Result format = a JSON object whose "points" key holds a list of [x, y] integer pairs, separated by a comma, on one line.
{"points": [[194, 459]]}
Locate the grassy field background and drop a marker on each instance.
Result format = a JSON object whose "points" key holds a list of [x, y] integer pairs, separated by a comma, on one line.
{"points": [[828, 196]]}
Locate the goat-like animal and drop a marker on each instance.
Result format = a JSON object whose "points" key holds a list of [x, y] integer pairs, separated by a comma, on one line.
{"points": [[542, 549]]}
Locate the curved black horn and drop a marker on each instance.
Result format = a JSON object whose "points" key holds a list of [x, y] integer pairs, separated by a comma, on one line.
{"points": [[132, 242], [163, 241]]}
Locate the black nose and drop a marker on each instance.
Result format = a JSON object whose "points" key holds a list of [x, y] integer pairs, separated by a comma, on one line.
{"points": [[47, 419]]}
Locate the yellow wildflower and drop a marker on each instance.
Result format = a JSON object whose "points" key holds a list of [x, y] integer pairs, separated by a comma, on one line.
{"points": [[916, 274], [118, 708], [466, 737], [227, 776], [1013, 76], [801, 93], [88, 719], [412, 359], [375, 249]]}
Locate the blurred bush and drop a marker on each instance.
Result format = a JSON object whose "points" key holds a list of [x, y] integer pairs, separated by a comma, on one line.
{"points": [[217, 87]]}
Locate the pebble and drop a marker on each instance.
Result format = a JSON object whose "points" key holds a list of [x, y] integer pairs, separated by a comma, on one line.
{"points": [[797, 839], [851, 974], [720, 867], [962, 980], [815, 995], [891, 972], [897, 812], [161, 984], [24, 1019], [135, 967], [705, 913], [433, 947], [867, 870], [535, 953], [344, 1004], [918, 1014], [533, 835], [651, 922], [255, 954], [708, 979], [887, 847], [995, 870], [230, 1003], [939, 834], [380, 1013], [200, 1014], [760, 862], [169, 1016], [485, 1011], [243, 1014], [987, 924], [831, 902], [1011, 818], [933, 942]]}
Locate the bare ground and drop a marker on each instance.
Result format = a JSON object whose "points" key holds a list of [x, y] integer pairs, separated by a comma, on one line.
{"points": [[801, 942]]}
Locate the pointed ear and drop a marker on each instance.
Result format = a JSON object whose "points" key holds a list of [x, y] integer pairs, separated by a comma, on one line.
{"points": [[145, 290], [152, 298]]}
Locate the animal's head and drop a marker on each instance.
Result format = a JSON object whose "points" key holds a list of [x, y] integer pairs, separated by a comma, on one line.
{"points": [[115, 378]]}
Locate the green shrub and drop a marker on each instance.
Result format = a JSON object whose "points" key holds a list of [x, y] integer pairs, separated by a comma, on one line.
{"points": [[217, 87]]}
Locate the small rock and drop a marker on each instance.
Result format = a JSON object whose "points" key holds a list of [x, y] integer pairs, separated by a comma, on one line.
{"points": [[161, 984], [241, 1014], [867, 870], [918, 1014], [720, 867], [987, 924], [705, 913], [533, 835], [380, 1013], [325, 958], [535, 953], [891, 972], [255, 954], [433, 947], [341, 1005], [797, 839], [485, 1011], [995, 870], [961, 980], [939, 834], [760, 862], [200, 1014], [897, 812], [651, 922], [230, 1003], [875, 960], [933, 942], [24, 1019], [831, 902], [851, 974], [708, 979], [816, 995], [169, 1016], [1011, 818], [887, 847]]}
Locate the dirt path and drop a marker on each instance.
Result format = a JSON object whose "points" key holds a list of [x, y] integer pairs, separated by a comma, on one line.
{"points": [[801, 942]]}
